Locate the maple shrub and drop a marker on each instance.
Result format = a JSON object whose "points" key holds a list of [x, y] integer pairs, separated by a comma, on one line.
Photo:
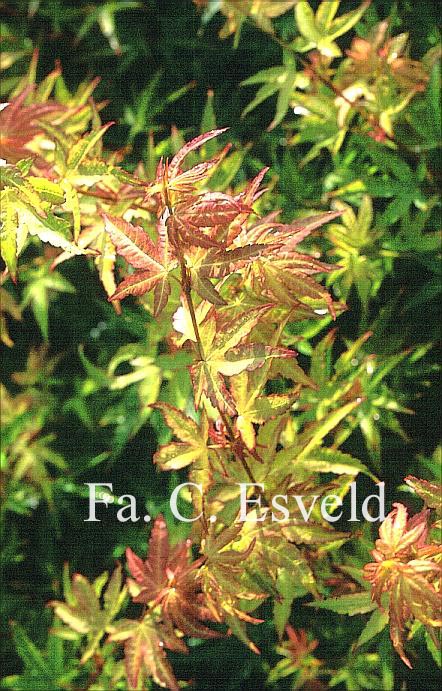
{"points": [[232, 282], [219, 333]]}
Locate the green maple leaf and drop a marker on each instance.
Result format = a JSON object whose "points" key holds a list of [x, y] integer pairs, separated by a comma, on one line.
{"points": [[26, 208], [40, 286], [254, 408], [51, 668], [356, 248], [321, 29], [30, 457], [281, 80], [224, 355], [83, 611], [192, 446]]}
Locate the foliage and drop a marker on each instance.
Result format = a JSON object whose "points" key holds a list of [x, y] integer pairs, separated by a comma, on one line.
{"points": [[158, 300]]}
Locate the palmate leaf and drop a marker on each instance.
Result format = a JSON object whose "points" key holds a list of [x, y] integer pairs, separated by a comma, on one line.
{"points": [[28, 206], [430, 492], [222, 572], [223, 583], [202, 220], [83, 611], [254, 408], [320, 30], [290, 287], [237, 11], [97, 242], [357, 252], [150, 576], [171, 179], [273, 552], [211, 209], [193, 450], [144, 652], [153, 262], [224, 355], [168, 578], [405, 575], [283, 273], [276, 80], [29, 458], [194, 144], [40, 287], [217, 263], [192, 446], [186, 180], [412, 595], [19, 124]]}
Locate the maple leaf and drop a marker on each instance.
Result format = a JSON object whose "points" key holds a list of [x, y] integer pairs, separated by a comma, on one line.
{"points": [[320, 30], [210, 209], [398, 534], [221, 577], [430, 492], [297, 651], [199, 220], [273, 552], [41, 282], [237, 11], [298, 645], [26, 208], [254, 408], [172, 179], [193, 444], [153, 262], [224, 355], [223, 567], [95, 239], [288, 281], [169, 579], [217, 263], [144, 643], [19, 125], [404, 567], [193, 449], [83, 611], [282, 272], [29, 458], [376, 55]]}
